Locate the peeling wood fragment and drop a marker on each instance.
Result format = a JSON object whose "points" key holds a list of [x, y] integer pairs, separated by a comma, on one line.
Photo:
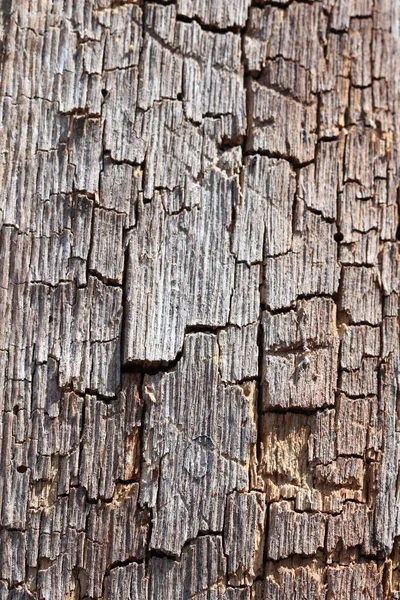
{"points": [[294, 533], [244, 550], [189, 465]]}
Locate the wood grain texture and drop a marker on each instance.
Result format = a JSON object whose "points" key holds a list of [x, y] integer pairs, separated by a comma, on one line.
{"points": [[199, 300]]}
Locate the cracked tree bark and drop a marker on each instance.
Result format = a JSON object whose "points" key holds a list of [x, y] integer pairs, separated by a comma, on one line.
{"points": [[200, 286]]}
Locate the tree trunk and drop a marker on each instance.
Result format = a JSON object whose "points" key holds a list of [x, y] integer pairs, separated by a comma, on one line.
{"points": [[200, 300]]}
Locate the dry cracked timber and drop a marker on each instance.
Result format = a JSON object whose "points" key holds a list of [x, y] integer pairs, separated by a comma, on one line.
{"points": [[199, 343]]}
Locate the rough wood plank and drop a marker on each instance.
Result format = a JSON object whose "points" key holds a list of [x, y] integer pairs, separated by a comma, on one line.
{"points": [[199, 300]]}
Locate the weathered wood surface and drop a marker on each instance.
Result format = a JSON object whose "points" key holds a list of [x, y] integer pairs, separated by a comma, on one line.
{"points": [[200, 279]]}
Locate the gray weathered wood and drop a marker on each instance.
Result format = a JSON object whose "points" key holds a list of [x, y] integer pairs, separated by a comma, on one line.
{"points": [[199, 300]]}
